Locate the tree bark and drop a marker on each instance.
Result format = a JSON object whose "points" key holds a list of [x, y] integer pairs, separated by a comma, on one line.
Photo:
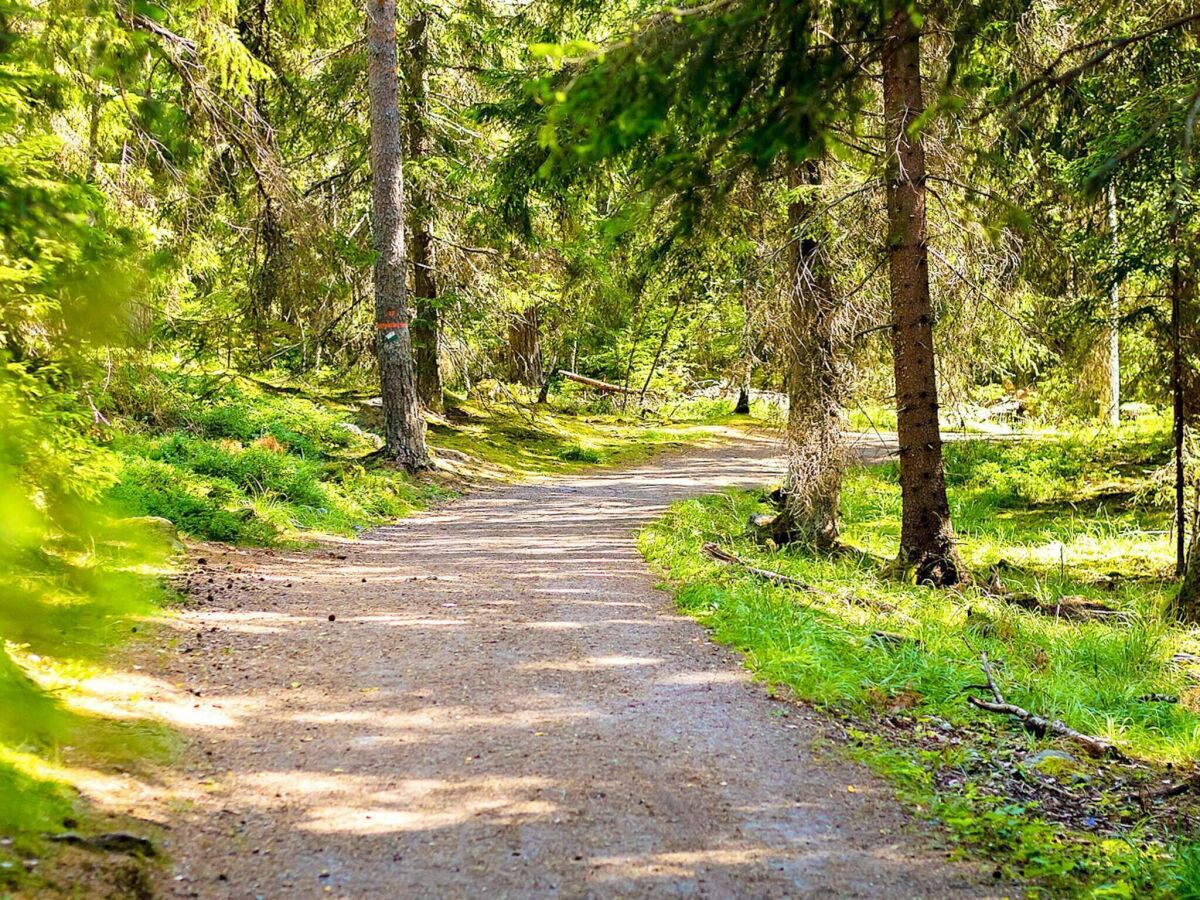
{"points": [[426, 324], [742, 408], [1113, 409], [1187, 609], [926, 537], [524, 348], [816, 382], [404, 429], [1187, 601]]}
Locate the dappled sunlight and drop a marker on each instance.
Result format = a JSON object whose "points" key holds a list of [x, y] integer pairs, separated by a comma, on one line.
{"points": [[127, 695], [678, 864], [443, 719], [111, 792], [589, 664], [695, 678], [121, 695]]}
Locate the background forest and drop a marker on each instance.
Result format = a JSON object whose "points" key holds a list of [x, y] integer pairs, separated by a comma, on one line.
{"points": [[804, 209]]}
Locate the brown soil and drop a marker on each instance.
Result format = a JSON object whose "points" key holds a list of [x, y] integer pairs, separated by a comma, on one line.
{"points": [[505, 706]]}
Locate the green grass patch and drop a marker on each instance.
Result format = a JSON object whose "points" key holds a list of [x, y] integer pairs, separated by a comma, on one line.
{"points": [[251, 465], [1059, 517]]}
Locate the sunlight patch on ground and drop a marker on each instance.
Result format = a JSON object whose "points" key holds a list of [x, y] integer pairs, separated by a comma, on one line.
{"points": [[678, 864], [359, 805], [439, 719], [590, 663], [697, 678]]}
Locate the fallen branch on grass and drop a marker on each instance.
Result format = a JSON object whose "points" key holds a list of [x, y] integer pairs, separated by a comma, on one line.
{"points": [[871, 603], [603, 387], [896, 641], [1039, 725], [721, 555], [1073, 607]]}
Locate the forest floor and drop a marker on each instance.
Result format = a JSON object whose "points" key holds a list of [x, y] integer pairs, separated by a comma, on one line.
{"points": [[492, 698]]}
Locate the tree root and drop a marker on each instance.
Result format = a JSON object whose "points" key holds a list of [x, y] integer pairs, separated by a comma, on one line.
{"points": [[1039, 725]]}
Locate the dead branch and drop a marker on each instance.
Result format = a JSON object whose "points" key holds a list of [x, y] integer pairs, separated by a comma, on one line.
{"points": [[1038, 725], [721, 555], [888, 639], [1073, 606], [1174, 790], [603, 387]]}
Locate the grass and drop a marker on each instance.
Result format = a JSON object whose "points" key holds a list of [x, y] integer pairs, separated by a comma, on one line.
{"points": [[1067, 516], [255, 466]]}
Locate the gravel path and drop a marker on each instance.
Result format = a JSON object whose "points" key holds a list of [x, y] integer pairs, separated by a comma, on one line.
{"points": [[506, 707]]}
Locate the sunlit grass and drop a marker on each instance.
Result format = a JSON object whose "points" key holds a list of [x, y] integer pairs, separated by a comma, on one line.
{"points": [[253, 467]]}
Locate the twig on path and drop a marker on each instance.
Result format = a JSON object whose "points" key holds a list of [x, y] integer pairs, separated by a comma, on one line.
{"points": [[1039, 725]]}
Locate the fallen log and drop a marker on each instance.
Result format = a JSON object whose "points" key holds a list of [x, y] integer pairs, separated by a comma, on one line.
{"points": [[721, 555], [603, 387], [1039, 725], [1073, 606]]}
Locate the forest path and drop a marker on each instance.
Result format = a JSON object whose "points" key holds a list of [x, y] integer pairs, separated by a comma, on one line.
{"points": [[505, 706]]}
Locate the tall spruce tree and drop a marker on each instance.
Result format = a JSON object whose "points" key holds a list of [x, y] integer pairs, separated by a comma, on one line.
{"points": [[404, 427]]}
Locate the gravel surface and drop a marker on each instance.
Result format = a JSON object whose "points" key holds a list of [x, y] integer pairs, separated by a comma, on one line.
{"points": [[494, 700]]}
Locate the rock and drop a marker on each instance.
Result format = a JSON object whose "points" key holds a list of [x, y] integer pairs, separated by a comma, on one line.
{"points": [[1054, 759]]}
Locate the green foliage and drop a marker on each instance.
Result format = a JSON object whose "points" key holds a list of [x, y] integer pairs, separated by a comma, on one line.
{"points": [[1047, 514], [256, 469], [576, 453], [72, 579]]}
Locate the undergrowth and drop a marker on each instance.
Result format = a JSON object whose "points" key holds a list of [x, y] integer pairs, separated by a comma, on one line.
{"points": [[251, 463], [1059, 519]]}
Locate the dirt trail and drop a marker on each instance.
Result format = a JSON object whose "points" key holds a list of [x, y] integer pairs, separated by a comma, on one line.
{"points": [[505, 706]]}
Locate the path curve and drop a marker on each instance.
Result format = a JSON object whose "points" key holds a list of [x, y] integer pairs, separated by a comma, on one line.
{"points": [[506, 707]]}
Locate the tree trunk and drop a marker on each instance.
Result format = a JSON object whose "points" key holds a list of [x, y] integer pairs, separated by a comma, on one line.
{"points": [[742, 408], [816, 384], [1112, 412], [524, 348], [1187, 601], [926, 537], [404, 429], [426, 324], [662, 345], [1177, 410]]}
